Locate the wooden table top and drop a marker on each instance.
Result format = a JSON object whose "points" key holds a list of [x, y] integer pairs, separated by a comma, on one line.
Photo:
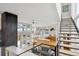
{"points": [[43, 41]]}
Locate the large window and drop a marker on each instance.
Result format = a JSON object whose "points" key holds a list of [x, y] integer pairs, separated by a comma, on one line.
{"points": [[20, 27], [65, 8], [24, 34]]}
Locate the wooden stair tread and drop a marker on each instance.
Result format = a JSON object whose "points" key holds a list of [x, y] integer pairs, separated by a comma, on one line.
{"points": [[68, 23], [71, 33], [69, 46], [70, 41], [67, 26], [68, 52], [69, 37], [68, 30]]}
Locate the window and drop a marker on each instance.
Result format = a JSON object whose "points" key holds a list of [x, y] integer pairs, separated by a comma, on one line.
{"points": [[65, 8]]}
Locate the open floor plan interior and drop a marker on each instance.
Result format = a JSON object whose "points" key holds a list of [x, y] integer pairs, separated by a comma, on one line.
{"points": [[39, 29]]}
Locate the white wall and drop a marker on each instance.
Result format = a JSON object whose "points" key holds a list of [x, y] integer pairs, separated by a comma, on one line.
{"points": [[75, 13], [77, 17], [73, 10], [58, 5]]}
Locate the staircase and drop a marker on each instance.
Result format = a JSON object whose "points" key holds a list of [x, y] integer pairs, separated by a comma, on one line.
{"points": [[68, 39]]}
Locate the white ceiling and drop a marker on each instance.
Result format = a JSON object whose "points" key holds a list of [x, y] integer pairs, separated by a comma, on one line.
{"points": [[42, 13]]}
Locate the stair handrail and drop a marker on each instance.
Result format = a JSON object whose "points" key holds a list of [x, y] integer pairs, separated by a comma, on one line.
{"points": [[75, 25]]}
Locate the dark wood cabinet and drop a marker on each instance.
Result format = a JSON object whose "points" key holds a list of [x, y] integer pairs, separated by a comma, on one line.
{"points": [[9, 29]]}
